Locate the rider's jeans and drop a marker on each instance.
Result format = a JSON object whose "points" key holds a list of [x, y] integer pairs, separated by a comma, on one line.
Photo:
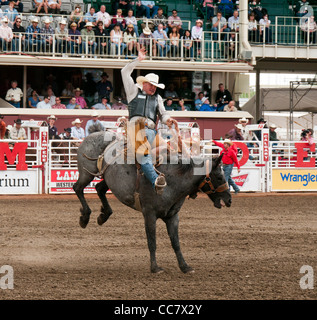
{"points": [[146, 161], [227, 170]]}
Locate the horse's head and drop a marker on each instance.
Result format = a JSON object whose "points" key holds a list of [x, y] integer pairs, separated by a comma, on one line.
{"points": [[215, 185]]}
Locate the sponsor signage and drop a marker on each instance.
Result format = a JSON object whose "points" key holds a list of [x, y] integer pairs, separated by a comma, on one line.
{"points": [[62, 181], [44, 145], [289, 179], [248, 179], [19, 182]]}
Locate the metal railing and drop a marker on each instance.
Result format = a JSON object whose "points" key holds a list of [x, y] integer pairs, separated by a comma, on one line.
{"points": [[214, 46]]}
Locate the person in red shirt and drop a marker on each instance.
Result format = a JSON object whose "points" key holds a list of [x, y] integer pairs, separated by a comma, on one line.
{"points": [[229, 158], [2, 127]]}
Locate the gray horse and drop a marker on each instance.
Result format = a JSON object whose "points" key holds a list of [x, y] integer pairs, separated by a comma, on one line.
{"points": [[124, 182]]}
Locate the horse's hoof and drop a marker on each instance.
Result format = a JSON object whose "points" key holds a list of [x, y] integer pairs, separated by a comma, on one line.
{"points": [[83, 222], [102, 218], [157, 270], [188, 269]]}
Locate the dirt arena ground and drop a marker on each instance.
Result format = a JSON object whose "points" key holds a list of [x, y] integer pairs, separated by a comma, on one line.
{"points": [[253, 250]]}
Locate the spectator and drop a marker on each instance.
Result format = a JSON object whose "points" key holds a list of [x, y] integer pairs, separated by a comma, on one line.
{"points": [[91, 16], [45, 104], [93, 121], [61, 36], [309, 28], [47, 33], [118, 19], [33, 100], [226, 8], [209, 9], [257, 9], [303, 8], [54, 6], [265, 31], [187, 43], [17, 3], [102, 38], [104, 86], [199, 101], [233, 21], [175, 20], [52, 130], [253, 32], [181, 106], [307, 135], [104, 16], [68, 91], [170, 91], [2, 127], [6, 35], [89, 39], [119, 105], [206, 106], [103, 105], [74, 38], [33, 35], [125, 5], [17, 132], [78, 133], [11, 13], [18, 33], [14, 94], [273, 135], [185, 91], [219, 25], [131, 19], [116, 41], [258, 133], [66, 135], [169, 104], [174, 41], [160, 18], [223, 96], [247, 135], [206, 90], [41, 5], [197, 33], [230, 107], [73, 104], [161, 38], [77, 16], [58, 104], [229, 158], [79, 99], [236, 132], [140, 9], [129, 38], [51, 95], [150, 8], [147, 41]]}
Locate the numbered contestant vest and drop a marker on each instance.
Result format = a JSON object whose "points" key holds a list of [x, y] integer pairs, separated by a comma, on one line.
{"points": [[144, 106]]}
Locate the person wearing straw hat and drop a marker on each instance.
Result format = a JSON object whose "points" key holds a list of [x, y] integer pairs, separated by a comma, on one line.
{"points": [[47, 33], [6, 34], [246, 133], [229, 158], [236, 132], [61, 36], [273, 135], [88, 36], [77, 131], [52, 130], [93, 121], [145, 106], [33, 35], [145, 40]]}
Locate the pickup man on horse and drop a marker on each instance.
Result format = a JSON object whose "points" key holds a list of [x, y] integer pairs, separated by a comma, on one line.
{"points": [[144, 105]]}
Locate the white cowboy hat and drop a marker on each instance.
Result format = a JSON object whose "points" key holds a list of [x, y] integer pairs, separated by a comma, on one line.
{"points": [[151, 78], [243, 120], [63, 22], [228, 141], [273, 126], [89, 24], [76, 121], [5, 19], [47, 20], [51, 117], [239, 126], [35, 19], [94, 114], [147, 31]]}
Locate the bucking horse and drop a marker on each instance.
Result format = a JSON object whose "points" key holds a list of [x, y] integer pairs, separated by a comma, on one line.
{"points": [[125, 183]]}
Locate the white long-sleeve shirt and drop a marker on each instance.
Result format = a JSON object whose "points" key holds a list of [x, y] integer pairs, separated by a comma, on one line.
{"points": [[16, 94], [197, 32], [132, 89]]}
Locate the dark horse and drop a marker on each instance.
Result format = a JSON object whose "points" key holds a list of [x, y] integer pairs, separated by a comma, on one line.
{"points": [[121, 179]]}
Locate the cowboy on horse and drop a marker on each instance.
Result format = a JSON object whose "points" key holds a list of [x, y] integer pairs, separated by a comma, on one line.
{"points": [[144, 106]]}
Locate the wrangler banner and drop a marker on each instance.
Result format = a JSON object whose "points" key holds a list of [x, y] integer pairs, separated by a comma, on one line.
{"points": [[289, 179]]}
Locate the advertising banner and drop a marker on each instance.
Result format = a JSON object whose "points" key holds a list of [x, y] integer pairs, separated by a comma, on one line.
{"points": [[19, 182], [249, 179], [298, 179], [62, 181]]}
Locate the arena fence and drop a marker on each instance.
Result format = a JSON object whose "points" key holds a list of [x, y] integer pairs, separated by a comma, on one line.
{"points": [[38, 166]]}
